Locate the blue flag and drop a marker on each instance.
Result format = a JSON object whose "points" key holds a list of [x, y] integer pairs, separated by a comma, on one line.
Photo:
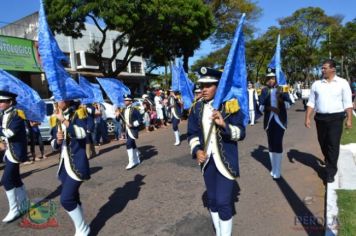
{"points": [[92, 91], [97, 93], [115, 90], [233, 82], [186, 87], [175, 78], [276, 64], [27, 99], [60, 82]]}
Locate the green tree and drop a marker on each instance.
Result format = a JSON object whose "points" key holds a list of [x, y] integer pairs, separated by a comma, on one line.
{"points": [[342, 47], [227, 13], [303, 32], [157, 29]]}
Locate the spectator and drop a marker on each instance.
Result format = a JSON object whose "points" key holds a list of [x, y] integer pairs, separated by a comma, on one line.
{"points": [[330, 98], [35, 136]]}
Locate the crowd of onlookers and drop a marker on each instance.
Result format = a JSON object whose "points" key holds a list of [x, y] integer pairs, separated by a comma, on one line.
{"points": [[155, 115]]}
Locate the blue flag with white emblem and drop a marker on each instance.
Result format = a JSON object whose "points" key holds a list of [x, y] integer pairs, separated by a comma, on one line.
{"points": [[186, 87], [27, 99], [276, 64], [233, 82], [92, 91], [115, 90], [60, 82]]}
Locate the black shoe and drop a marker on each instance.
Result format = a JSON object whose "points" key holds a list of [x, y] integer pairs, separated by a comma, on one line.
{"points": [[330, 179]]}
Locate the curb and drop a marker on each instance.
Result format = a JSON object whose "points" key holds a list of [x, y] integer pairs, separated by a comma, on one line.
{"points": [[344, 179]]}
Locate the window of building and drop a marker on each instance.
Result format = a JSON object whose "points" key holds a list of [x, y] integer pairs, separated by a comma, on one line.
{"points": [[119, 63], [136, 67]]}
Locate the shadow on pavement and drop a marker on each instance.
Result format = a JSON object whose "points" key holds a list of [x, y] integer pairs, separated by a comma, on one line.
{"points": [[304, 218], [57, 192], [147, 152], [107, 149], [307, 160], [235, 197], [183, 137], [117, 202]]}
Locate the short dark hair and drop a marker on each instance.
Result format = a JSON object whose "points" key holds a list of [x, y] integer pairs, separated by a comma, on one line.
{"points": [[331, 62]]}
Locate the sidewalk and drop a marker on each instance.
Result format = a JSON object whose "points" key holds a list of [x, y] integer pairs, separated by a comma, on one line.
{"points": [[344, 179]]}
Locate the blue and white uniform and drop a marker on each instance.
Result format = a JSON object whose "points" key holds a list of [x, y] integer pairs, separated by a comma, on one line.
{"points": [[13, 135], [74, 165], [132, 120], [222, 166], [275, 124], [176, 113]]}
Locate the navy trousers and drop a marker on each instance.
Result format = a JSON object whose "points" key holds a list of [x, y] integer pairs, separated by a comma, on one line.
{"points": [[130, 142], [11, 176], [329, 130], [70, 190], [275, 135], [219, 190], [175, 123]]}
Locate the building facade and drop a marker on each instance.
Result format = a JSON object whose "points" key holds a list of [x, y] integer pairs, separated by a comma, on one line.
{"points": [[81, 60]]}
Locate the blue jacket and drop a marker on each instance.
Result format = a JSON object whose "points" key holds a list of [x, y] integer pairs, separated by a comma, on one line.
{"points": [[73, 156], [13, 132], [134, 119], [226, 138], [175, 107], [265, 100]]}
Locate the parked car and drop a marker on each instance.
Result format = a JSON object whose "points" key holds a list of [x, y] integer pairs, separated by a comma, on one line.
{"points": [[110, 116], [45, 128]]}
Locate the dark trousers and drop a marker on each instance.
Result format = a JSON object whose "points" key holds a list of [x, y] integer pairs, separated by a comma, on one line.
{"points": [[175, 123], [130, 142], [36, 136], [275, 135], [70, 190], [329, 129], [219, 190], [11, 176]]}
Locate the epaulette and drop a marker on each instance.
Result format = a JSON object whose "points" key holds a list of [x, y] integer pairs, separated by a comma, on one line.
{"points": [[81, 113], [21, 114], [52, 121], [232, 106]]}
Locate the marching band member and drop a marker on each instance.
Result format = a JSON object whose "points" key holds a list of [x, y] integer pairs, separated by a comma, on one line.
{"points": [[69, 136], [132, 119], [14, 143], [274, 103], [175, 106], [217, 155], [252, 102]]}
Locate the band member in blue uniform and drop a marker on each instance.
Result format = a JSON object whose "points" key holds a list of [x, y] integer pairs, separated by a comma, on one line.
{"points": [[175, 106], [132, 120], [274, 103], [14, 143], [69, 136], [217, 155]]}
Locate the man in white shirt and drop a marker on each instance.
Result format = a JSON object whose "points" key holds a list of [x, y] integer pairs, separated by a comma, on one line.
{"points": [[330, 98]]}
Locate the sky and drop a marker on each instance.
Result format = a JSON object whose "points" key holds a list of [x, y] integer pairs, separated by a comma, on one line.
{"points": [[272, 10]]}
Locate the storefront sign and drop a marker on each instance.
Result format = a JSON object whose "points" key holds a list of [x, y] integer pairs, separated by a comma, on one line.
{"points": [[18, 54]]}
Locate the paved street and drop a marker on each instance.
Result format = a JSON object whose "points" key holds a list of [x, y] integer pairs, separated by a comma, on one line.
{"points": [[165, 194]]}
